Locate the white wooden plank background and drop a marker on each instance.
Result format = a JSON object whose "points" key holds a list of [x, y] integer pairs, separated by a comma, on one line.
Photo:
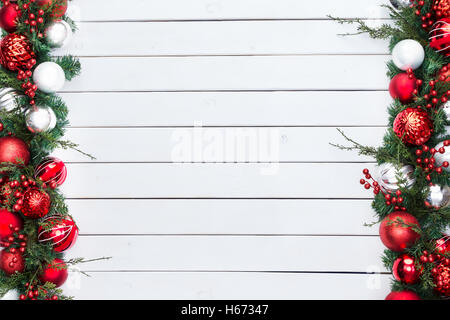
{"points": [[217, 228]]}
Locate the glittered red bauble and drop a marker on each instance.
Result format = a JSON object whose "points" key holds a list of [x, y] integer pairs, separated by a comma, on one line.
{"points": [[402, 295], [413, 126], [8, 18], [11, 263], [16, 52], [402, 87], [61, 232], [405, 270], [8, 221], [443, 245], [395, 232], [441, 278], [14, 150], [440, 36], [51, 169], [59, 9], [56, 273], [36, 203], [441, 8]]}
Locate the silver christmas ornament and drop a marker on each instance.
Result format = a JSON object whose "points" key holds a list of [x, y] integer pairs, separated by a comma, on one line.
{"points": [[59, 34], [446, 108], [49, 77], [392, 179], [40, 119], [11, 295], [442, 157], [9, 99], [439, 196], [400, 4], [408, 54]]}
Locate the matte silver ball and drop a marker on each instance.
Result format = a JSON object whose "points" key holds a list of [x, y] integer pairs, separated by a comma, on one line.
{"points": [[11, 295], [442, 157], [392, 179], [9, 99], [40, 119], [439, 196], [400, 4], [59, 34], [408, 54]]}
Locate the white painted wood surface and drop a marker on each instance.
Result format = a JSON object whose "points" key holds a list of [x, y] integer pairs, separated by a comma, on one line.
{"points": [[281, 225]]}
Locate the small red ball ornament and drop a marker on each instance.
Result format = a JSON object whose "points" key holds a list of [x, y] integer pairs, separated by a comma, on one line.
{"points": [[11, 263], [404, 270], [51, 170], [59, 9], [402, 87], [395, 232], [441, 278], [14, 150], [440, 36], [8, 18], [402, 295], [8, 222], [56, 273], [36, 203], [413, 126], [16, 52], [61, 232]]}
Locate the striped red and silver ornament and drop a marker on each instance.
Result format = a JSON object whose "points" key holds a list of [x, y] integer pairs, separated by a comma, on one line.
{"points": [[61, 232], [50, 170], [439, 36]]}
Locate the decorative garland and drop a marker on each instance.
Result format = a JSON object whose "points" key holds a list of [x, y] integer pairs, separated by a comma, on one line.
{"points": [[411, 186], [35, 228]]}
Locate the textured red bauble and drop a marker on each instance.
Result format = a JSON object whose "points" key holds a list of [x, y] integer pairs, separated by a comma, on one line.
{"points": [[413, 126], [51, 169], [441, 278], [405, 270], [11, 263], [36, 203], [61, 232], [14, 150], [394, 232], [402, 87], [8, 18], [441, 8], [402, 295], [8, 221], [56, 273], [440, 36], [59, 10], [16, 52]]}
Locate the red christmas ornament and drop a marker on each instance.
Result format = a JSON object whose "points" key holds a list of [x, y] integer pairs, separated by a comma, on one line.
{"points": [[404, 270], [440, 36], [11, 263], [16, 52], [402, 295], [8, 222], [443, 245], [441, 278], [413, 126], [14, 150], [402, 87], [442, 8], [59, 9], [56, 273], [395, 233], [8, 18], [51, 170], [36, 203], [61, 232]]}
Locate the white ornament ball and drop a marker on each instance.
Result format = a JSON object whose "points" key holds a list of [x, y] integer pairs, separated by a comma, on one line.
{"points": [[49, 77], [408, 54], [40, 119], [11, 295], [439, 196], [442, 157], [59, 34], [392, 178]]}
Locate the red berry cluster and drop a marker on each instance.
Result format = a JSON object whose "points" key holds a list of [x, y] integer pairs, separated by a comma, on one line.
{"points": [[33, 292], [425, 159], [33, 20], [16, 242], [440, 9], [441, 269], [432, 97], [392, 199]]}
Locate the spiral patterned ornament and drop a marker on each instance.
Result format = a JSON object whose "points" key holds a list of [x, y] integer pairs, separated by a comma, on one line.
{"points": [[9, 99], [413, 126], [51, 170], [439, 36], [16, 53], [392, 179], [61, 232]]}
